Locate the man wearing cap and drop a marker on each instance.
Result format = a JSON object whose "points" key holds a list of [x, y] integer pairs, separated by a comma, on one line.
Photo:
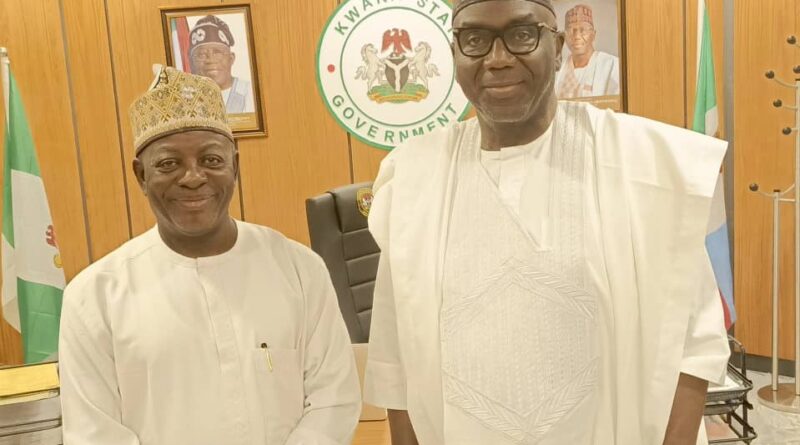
{"points": [[543, 276], [204, 329], [210, 52], [587, 72]]}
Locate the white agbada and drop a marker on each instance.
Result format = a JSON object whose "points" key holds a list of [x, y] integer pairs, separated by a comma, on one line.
{"points": [[600, 77], [246, 347], [545, 294]]}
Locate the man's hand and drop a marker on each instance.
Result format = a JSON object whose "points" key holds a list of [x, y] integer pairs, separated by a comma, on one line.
{"points": [[687, 411], [402, 431]]}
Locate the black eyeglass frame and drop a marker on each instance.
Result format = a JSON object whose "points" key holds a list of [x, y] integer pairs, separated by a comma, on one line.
{"points": [[495, 34]]}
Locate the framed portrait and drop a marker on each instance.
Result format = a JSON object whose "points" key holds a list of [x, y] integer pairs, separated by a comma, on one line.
{"points": [[217, 42], [593, 63]]}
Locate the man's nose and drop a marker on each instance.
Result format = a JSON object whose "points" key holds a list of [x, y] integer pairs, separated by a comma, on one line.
{"points": [[499, 56], [193, 177]]}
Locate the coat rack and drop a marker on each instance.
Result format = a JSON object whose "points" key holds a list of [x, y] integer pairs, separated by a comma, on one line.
{"points": [[785, 396]]}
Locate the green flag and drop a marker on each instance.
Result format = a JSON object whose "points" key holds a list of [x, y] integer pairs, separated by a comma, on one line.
{"points": [[706, 116], [33, 280], [706, 121]]}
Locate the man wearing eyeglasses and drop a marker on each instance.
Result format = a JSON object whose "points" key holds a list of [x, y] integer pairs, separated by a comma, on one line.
{"points": [[211, 56], [543, 276], [587, 72]]}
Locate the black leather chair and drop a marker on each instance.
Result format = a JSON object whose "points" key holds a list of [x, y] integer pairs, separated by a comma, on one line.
{"points": [[337, 225]]}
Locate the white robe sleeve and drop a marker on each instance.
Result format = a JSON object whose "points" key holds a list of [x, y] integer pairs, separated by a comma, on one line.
{"points": [[612, 87], [385, 376], [706, 349], [90, 398], [606, 77], [332, 394]]}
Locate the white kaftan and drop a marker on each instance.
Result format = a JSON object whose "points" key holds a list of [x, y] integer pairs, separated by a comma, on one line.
{"points": [[553, 304], [246, 347]]}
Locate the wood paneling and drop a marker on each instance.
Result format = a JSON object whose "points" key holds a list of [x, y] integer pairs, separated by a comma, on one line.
{"points": [[306, 153], [366, 160], [372, 433], [97, 126], [655, 58], [765, 156], [32, 34]]}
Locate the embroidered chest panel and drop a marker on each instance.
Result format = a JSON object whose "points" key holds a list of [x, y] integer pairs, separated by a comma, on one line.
{"points": [[518, 326]]}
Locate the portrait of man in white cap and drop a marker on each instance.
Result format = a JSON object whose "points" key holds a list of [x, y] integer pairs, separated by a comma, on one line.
{"points": [[211, 55], [587, 72]]}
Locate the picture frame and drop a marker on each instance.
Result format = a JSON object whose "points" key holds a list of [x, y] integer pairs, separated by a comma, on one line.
{"points": [[217, 42], [594, 61]]}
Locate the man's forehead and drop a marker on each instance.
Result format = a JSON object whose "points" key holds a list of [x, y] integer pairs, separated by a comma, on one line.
{"points": [[183, 140], [459, 5], [215, 45]]}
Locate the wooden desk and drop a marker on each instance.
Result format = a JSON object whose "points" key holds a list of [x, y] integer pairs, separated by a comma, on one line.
{"points": [[372, 433]]}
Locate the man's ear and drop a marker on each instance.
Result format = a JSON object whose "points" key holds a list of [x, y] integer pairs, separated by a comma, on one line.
{"points": [[138, 170]]}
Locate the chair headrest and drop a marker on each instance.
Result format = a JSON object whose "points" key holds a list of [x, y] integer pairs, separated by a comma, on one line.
{"points": [[352, 205]]}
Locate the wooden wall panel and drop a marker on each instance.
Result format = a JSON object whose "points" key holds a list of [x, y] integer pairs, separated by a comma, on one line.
{"points": [[306, 153], [366, 160], [765, 156], [655, 56], [32, 34], [97, 125]]}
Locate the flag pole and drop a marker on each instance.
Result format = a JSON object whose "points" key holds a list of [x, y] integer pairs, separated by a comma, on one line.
{"points": [[4, 65], [776, 250], [797, 247]]}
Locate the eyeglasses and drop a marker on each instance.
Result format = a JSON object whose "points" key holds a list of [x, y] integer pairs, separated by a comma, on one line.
{"points": [[518, 39], [214, 54]]}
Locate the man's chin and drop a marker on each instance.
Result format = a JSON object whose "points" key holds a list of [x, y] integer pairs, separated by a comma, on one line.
{"points": [[193, 227], [214, 76], [217, 76], [506, 115]]}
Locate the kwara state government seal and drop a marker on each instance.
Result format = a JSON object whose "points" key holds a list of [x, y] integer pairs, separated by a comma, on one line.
{"points": [[385, 69]]}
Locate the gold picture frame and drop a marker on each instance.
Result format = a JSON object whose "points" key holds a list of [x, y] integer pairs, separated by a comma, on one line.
{"points": [[594, 57], [217, 42]]}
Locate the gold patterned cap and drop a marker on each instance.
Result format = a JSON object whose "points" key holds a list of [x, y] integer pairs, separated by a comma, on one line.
{"points": [[177, 102]]}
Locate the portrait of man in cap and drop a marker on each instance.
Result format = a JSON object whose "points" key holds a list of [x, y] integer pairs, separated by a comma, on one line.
{"points": [[211, 55], [586, 70], [217, 43]]}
